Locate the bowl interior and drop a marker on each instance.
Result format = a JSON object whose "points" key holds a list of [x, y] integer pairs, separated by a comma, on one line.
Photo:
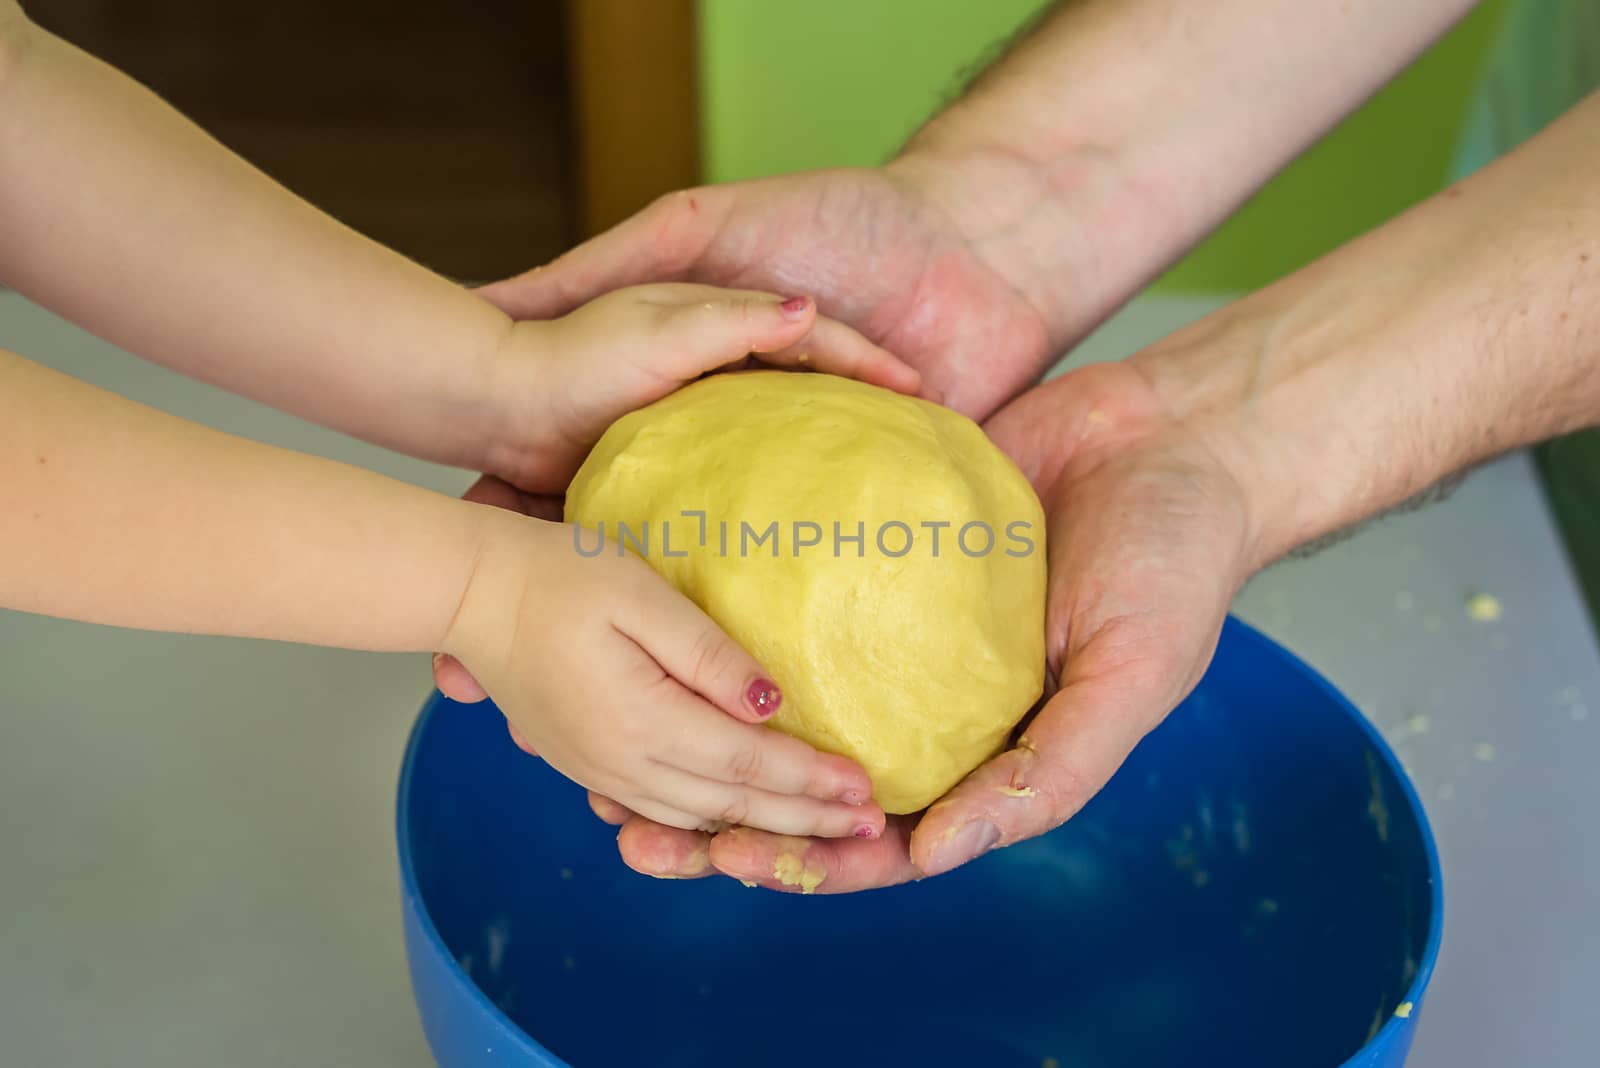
{"points": [[1254, 888]]}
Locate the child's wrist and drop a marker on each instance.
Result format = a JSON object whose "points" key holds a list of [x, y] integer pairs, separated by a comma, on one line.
{"points": [[498, 580], [516, 402]]}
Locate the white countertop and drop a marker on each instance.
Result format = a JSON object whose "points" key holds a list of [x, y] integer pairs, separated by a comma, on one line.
{"points": [[196, 852]]}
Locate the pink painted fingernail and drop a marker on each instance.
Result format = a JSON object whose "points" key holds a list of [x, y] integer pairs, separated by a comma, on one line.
{"points": [[763, 696], [795, 307], [865, 831]]}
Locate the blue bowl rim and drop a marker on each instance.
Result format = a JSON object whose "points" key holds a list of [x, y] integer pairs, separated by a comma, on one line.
{"points": [[1384, 1035]]}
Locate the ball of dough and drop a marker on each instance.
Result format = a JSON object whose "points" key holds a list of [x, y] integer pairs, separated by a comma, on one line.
{"points": [[877, 553]]}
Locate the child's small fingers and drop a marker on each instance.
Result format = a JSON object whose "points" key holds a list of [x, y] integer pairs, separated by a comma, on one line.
{"points": [[662, 810], [691, 648], [832, 347], [743, 806], [740, 755], [723, 326], [727, 325]]}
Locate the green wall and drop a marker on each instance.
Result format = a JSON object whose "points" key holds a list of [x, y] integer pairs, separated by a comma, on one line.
{"points": [[842, 82]]}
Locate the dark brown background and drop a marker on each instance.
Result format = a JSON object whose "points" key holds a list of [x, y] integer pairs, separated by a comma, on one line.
{"points": [[441, 129]]}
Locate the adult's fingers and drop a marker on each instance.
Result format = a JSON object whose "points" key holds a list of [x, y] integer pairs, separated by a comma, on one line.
{"points": [[608, 810], [812, 865], [499, 493], [1072, 748], [455, 681], [664, 852]]}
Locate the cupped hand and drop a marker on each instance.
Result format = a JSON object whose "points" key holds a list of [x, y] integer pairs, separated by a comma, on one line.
{"points": [[876, 247], [1149, 538]]}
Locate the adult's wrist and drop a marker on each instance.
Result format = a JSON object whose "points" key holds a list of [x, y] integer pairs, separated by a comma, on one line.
{"points": [[1452, 334], [1069, 229]]}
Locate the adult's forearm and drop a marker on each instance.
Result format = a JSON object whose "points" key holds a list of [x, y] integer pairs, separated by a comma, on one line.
{"points": [[1118, 133], [126, 218], [1467, 327], [115, 513]]}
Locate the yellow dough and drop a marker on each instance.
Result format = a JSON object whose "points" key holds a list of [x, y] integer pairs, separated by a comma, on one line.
{"points": [[913, 649]]}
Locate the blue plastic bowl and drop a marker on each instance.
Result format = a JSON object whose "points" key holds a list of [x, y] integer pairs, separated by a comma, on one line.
{"points": [[1257, 888]]}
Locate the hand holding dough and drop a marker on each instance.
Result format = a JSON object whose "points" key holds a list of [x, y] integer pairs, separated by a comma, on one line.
{"points": [[876, 552]]}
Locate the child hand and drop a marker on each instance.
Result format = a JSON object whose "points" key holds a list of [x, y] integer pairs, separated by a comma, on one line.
{"points": [[627, 688], [563, 382]]}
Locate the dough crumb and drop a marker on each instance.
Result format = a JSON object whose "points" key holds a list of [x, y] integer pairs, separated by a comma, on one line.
{"points": [[790, 870], [566, 873], [1049, 1062], [1018, 791], [748, 884], [1484, 608], [1403, 1010], [1484, 752]]}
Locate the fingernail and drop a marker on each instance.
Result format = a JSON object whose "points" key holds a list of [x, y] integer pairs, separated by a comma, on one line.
{"points": [[763, 696], [969, 843], [865, 831], [795, 307]]}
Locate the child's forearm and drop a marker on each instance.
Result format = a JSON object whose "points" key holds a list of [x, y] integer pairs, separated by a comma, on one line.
{"points": [[125, 217], [116, 513]]}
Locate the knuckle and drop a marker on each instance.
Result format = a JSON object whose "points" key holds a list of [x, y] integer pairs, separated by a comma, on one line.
{"points": [[668, 203], [710, 657], [671, 222], [733, 812], [634, 734], [748, 313], [1065, 789], [744, 764]]}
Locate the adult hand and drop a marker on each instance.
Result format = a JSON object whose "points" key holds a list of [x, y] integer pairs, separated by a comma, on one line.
{"points": [[1294, 413], [1149, 538], [880, 249]]}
